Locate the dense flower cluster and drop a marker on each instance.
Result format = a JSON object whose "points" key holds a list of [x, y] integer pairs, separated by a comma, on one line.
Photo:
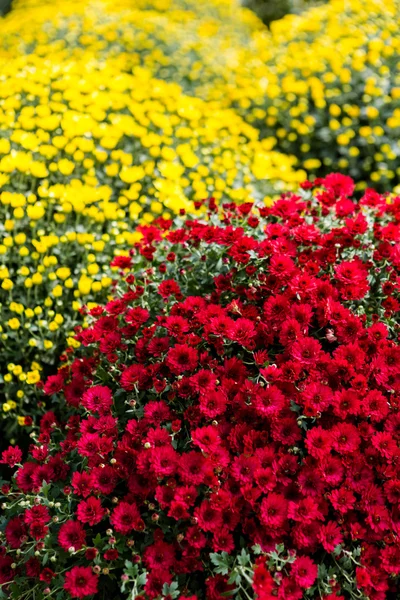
{"points": [[231, 422], [113, 114], [333, 94], [90, 145], [201, 45], [322, 86]]}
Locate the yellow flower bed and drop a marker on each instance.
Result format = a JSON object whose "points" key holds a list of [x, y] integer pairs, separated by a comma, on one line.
{"points": [[91, 144], [333, 94], [323, 86], [203, 46]]}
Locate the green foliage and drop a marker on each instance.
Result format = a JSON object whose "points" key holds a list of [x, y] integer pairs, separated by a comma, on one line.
{"points": [[272, 10], [5, 6]]}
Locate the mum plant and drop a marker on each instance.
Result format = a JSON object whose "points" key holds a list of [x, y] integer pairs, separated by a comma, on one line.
{"points": [[333, 93], [229, 426], [91, 144]]}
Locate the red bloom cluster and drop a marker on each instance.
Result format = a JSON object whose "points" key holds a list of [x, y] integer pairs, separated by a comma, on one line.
{"points": [[243, 392]]}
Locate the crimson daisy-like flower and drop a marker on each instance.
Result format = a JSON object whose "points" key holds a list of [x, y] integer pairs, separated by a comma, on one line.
{"points": [[54, 384], [7, 572], [208, 518], [305, 571], [318, 442], [194, 468], [37, 514], [71, 535], [104, 479], [182, 358], [46, 575], [213, 403], [340, 185], [345, 438], [274, 510], [33, 567], [269, 401], [15, 532], [126, 518], [223, 540], [330, 536], [11, 456], [25, 477], [306, 351], [206, 438], [159, 555], [82, 483], [135, 375], [98, 399], [90, 511], [168, 288], [80, 582], [263, 582]]}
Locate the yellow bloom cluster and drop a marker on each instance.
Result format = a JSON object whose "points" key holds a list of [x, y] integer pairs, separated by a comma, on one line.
{"points": [[93, 141], [333, 94], [201, 45]]}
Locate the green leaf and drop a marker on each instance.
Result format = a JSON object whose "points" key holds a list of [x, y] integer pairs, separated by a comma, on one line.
{"points": [[221, 561], [171, 590], [322, 572], [337, 550], [243, 558]]}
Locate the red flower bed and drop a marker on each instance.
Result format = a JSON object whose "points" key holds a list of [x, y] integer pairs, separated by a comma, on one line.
{"points": [[232, 421]]}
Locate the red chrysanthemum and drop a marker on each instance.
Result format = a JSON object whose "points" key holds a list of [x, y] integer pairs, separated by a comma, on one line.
{"points": [[90, 511], [71, 535], [80, 582], [182, 358], [126, 518]]}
